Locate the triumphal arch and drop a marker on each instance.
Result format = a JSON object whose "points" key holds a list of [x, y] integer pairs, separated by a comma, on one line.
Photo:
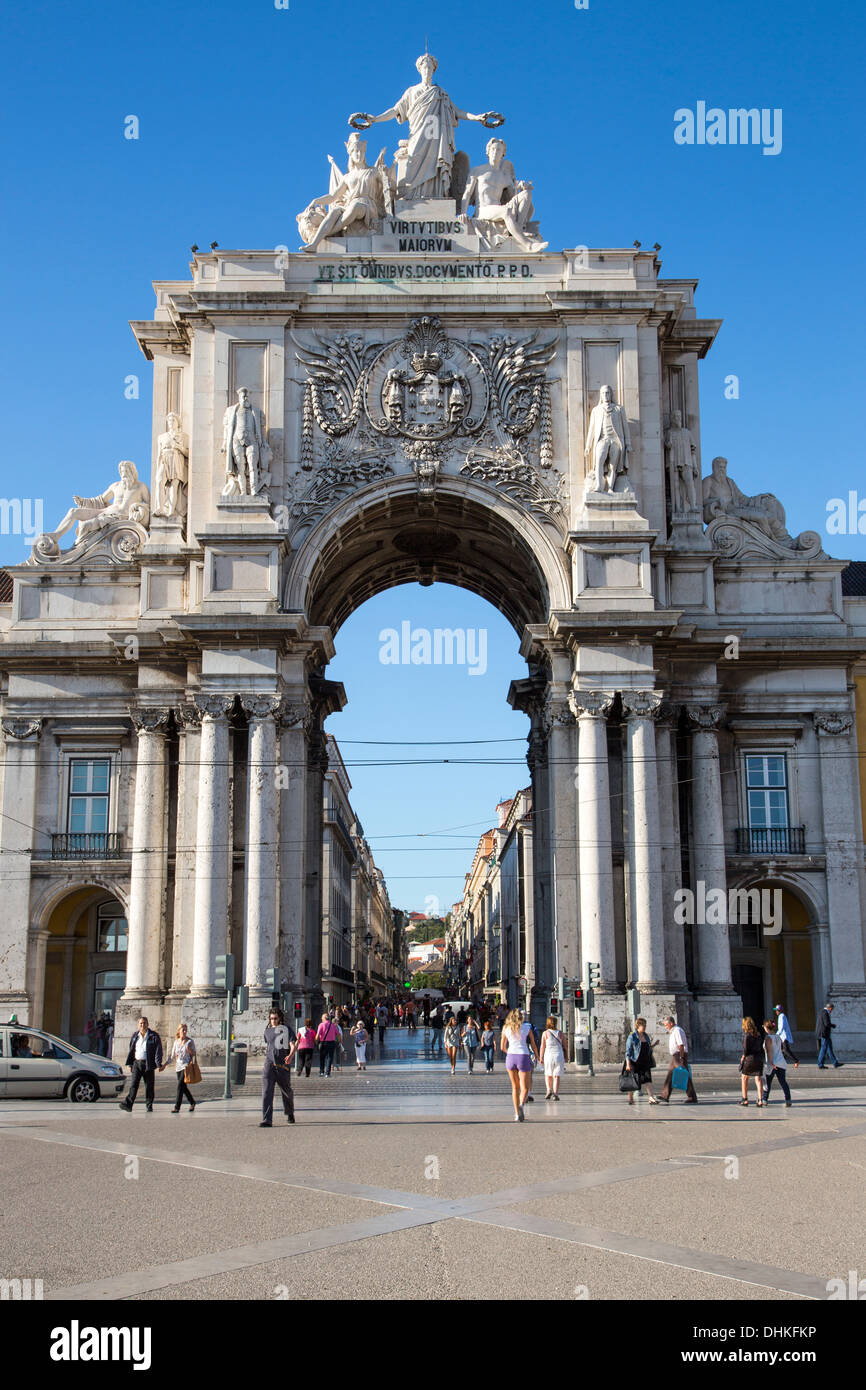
{"points": [[419, 388]]}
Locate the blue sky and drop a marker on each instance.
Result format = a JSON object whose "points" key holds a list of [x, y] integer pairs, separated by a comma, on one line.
{"points": [[238, 106]]}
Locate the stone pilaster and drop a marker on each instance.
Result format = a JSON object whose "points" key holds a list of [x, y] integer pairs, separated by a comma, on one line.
{"points": [[846, 985], [17, 844], [591, 708], [147, 879], [262, 859], [213, 830], [188, 720], [641, 708], [718, 1007]]}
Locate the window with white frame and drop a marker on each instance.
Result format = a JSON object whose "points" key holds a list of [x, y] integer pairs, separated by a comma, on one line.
{"points": [[767, 791], [88, 796]]}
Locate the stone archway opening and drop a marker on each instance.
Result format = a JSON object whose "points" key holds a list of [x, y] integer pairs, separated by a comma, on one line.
{"points": [[79, 963]]}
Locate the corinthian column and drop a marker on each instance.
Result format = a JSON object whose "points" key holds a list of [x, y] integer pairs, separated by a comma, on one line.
{"points": [[591, 708], [713, 943], [260, 925], [213, 830], [17, 845], [641, 707], [147, 877]]}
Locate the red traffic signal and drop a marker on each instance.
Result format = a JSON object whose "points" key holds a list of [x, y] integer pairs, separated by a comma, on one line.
{"points": [[579, 1002]]}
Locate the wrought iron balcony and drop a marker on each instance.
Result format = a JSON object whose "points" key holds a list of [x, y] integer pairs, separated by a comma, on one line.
{"points": [[89, 845], [785, 839]]}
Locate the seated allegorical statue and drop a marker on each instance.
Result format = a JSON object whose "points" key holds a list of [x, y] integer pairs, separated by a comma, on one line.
{"points": [[356, 202], [126, 500], [503, 205], [722, 497]]}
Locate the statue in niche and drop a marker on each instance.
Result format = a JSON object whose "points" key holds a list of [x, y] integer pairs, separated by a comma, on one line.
{"points": [[682, 464], [172, 468], [503, 206], [126, 500], [722, 497], [607, 444], [246, 450], [428, 165], [357, 200]]}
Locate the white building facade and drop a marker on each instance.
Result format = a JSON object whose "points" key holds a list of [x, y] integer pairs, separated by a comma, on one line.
{"points": [[485, 412]]}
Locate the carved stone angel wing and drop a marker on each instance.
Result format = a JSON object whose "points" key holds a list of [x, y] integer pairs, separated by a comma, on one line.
{"points": [[518, 375], [335, 378]]}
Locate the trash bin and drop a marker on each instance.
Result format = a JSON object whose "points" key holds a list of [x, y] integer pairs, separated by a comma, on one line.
{"points": [[581, 1053], [239, 1064]]}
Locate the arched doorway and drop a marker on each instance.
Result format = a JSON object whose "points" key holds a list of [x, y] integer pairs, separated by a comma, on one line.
{"points": [[79, 962], [779, 963]]}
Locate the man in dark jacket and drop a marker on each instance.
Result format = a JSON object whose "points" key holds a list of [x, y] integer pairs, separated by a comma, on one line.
{"points": [[144, 1059], [281, 1044], [823, 1037]]}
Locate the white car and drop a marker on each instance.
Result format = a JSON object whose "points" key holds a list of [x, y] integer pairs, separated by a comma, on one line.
{"points": [[36, 1064]]}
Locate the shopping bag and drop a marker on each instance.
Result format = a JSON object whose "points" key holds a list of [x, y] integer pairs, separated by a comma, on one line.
{"points": [[680, 1079]]}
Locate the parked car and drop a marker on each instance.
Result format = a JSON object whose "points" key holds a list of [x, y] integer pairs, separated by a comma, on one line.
{"points": [[36, 1064]]}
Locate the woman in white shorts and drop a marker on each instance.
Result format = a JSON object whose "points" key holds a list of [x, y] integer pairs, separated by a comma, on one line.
{"points": [[552, 1056]]}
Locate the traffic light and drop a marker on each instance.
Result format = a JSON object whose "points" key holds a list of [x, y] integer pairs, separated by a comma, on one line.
{"points": [[272, 980], [299, 1008], [225, 973], [593, 974], [242, 999], [579, 998], [554, 1005]]}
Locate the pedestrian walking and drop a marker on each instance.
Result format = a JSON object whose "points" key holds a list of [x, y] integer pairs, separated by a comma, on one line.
{"points": [[326, 1037], [752, 1061], [488, 1045], [679, 1050], [437, 1025], [786, 1035], [518, 1044], [381, 1022], [427, 1003], [281, 1045], [361, 1037], [824, 1037], [306, 1043], [639, 1061], [144, 1060], [471, 1039], [776, 1065], [452, 1041], [183, 1055], [552, 1058]]}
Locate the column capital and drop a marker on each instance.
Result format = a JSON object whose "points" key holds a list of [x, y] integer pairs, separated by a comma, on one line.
{"points": [[536, 753], [21, 730], [260, 707], [707, 717], [557, 710], [187, 717], [642, 704], [294, 714], [214, 707], [149, 721], [591, 704], [832, 722]]}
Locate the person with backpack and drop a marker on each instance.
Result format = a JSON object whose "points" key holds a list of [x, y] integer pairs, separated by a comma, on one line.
{"points": [[361, 1038], [306, 1043], [776, 1065], [471, 1038], [326, 1037]]}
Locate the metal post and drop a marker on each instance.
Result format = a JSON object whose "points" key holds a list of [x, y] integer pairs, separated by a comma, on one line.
{"points": [[227, 1091]]}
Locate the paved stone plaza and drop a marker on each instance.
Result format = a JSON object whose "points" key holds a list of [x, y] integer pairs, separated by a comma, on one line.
{"points": [[403, 1182]]}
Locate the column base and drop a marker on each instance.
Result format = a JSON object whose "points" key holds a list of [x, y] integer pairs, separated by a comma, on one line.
{"points": [[658, 1000], [717, 1024], [15, 1001], [849, 1016], [130, 1007], [608, 1040]]}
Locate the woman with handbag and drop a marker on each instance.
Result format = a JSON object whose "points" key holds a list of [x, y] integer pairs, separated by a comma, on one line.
{"points": [[452, 1041], [638, 1064], [471, 1037], [752, 1061], [186, 1065]]}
